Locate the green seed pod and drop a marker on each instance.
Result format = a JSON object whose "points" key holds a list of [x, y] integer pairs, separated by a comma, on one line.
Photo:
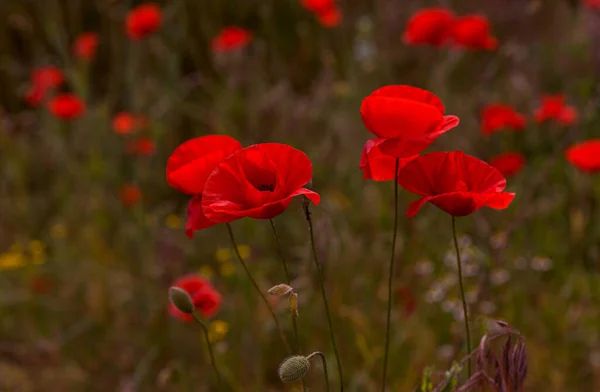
{"points": [[181, 299], [293, 368]]}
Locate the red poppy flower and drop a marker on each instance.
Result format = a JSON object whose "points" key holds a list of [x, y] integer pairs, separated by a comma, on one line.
{"points": [[85, 46], [143, 20], [509, 163], [257, 182], [124, 123], [553, 107], [407, 300], [497, 116], [142, 146], [193, 161], [429, 26], [473, 32], [330, 17], [206, 300], [231, 38], [130, 195], [593, 4], [67, 107], [47, 77], [318, 6], [376, 165], [456, 183], [585, 156], [408, 117], [43, 79]]}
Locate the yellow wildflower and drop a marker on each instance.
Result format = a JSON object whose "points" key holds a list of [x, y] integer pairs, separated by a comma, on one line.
{"points": [[227, 269], [206, 271], [173, 221], [217, 330], [223, 255]]}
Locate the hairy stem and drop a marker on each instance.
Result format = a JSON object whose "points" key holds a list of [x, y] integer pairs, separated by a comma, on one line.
{"points": [[462, 293], [210, 351], [262, 296], [323, 292]]}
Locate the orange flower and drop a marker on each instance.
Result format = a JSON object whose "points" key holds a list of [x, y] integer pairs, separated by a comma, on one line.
{"points": [[85, 46], [143, 20], [130, 195], [66, 107]]}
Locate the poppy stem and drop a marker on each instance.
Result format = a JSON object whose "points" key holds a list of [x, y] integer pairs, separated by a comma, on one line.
{"points": [[210, 351], [262, 296], [462, 293], [287, 277], [324, 361], [307, 213], [391, 278]]}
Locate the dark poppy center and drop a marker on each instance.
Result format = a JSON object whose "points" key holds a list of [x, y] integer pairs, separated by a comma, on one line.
{"points": [[265, 187]]}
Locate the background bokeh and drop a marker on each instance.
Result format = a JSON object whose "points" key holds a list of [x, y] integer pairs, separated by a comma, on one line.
{"points": [[84, 276]]}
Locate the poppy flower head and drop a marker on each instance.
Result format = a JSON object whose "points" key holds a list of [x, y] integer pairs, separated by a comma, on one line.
{"points": [[142, 146], [42, 80], [473, 32], [330, 17], [231, 38], [318, 6], [206, 300], [585, 156], [124, 123], [257, 182], [130, 195], [34, 95], [409, 117], [429, 26], [376, 165], [508, 164], [67, 107], [85, 46], [190, 165], [553, 107], [457, 183], [497, 116], [592, 4], [143, 20]]}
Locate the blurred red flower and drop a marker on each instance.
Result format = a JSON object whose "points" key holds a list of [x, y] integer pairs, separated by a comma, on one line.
{"points": [[206, 300], [509, 163], [473, 32], [553, 107], [142, 146], [189, 167], [318, 6], [594, 4], [143, 20], [376, 165], [456, 183], [231, 38], [429, 26], [124, 123], [409, 118], [330, 17], [497, 116], [43, 79], [66, 107], [407, 300], [257, 182], [85, 46], [130, 195], [585, 156], [40, 284]]}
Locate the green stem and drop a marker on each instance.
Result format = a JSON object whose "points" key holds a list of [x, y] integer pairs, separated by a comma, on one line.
{"points": [[262, 296], [325, 373], [212, 357], [323, 292], [391, 278], [289, 283], [462, 293]]}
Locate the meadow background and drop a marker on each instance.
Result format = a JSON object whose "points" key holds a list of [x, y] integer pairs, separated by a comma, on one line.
{"points": [[84, 277]]}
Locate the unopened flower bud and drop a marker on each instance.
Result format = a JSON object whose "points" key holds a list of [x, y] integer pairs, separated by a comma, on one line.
{"points": [[181, 299], [280, 290], [294, 304], [293, 368]]}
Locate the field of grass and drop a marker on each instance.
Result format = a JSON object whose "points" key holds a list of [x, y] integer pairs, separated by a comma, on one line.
{"points": [[85, 266]]}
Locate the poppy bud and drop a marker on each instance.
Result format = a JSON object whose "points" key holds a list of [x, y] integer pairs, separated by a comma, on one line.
{"points": [[293, 368], [280, 290], [181, 299]]}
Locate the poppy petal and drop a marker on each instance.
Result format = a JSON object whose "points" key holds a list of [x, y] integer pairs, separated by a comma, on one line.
{"points": [[415, 206], [378, 166], [196, 220]]}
